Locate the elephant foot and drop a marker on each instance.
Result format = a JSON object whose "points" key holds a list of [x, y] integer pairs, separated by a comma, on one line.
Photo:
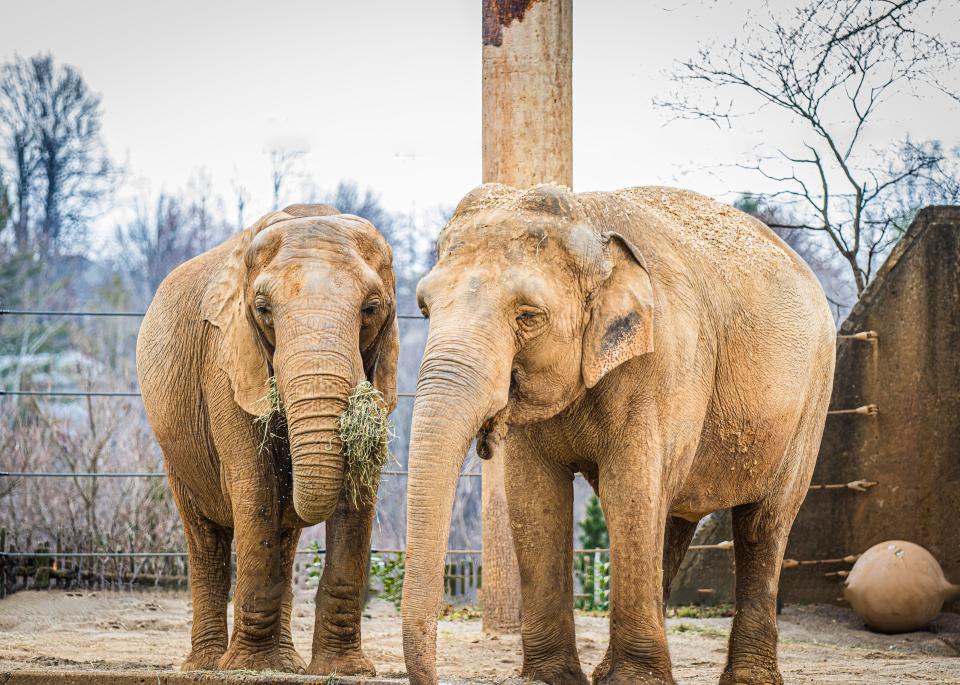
{"points": [[751, 676], [633, 675], [243, 658], [202, 659], [354, 662], [291, 660], [561, 674]]}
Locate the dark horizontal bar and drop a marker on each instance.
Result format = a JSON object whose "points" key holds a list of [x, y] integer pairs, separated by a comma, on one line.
{"points": [[149, 474], [80, 393], [66, 393], [81, 474], [47, 555], [93, 554], [46, 312], [468, 474]]}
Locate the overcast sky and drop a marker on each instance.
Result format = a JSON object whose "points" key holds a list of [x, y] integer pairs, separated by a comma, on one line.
{"points": [[388, 93]]}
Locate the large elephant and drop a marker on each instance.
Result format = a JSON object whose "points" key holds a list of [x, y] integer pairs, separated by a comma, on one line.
{"points": [[670, 348], [295, 311]]}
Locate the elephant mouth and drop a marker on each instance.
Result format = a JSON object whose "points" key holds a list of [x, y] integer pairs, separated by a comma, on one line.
{"points": [[491, 434]]}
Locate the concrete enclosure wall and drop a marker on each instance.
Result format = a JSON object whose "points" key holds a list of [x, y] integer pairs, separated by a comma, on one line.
{"points": [[911, 448]]}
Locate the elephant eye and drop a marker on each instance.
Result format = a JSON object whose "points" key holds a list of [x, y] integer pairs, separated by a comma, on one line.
{"points": [[370, 308], [262, 309], [529, 318]]}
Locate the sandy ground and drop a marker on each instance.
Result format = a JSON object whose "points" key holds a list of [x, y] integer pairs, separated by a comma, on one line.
{"points": [[147, 630]]}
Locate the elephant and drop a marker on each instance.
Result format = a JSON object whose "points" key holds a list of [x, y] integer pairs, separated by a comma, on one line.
{"points": [[303, 305], [671, 349]]}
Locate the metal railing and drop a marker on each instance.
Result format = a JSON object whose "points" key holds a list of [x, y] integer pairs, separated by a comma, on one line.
{"points": [[855, 486], [50, 312]]}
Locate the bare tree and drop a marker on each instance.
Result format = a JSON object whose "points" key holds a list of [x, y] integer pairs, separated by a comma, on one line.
{"points": [[821, 259], [161, 237], [282, 164], [828, 66], [17, 116], [4, 205], [50, 122], [241, 196]]}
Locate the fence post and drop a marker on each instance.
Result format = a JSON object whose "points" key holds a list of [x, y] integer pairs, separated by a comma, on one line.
{"points": [[597, 556], [3, 562]]}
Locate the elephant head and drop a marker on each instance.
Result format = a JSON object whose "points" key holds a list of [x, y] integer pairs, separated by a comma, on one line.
{"points": [[307, 296], [532, 302]]}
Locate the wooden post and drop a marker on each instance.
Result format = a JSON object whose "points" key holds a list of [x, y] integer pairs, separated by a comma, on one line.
{"points": [[3, 562], [527, 139]]}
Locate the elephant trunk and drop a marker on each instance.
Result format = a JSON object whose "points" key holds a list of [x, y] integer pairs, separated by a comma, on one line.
{"points": [[463, 380], [316, 369]]}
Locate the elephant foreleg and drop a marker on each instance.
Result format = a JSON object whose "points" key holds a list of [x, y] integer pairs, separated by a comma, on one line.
{"points": [[209, 548], [341, 593], [633, 502], [263, 579], [540, 499], [288, 653], [676, 540]]}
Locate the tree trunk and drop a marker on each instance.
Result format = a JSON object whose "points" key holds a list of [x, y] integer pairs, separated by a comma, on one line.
{"points": [[527, 139]]}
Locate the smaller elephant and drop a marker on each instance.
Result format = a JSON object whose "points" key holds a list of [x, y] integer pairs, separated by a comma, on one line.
{"points": [[294, 312]]}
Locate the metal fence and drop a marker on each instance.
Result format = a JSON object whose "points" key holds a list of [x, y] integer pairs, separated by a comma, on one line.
{"points": [[45, 567]]}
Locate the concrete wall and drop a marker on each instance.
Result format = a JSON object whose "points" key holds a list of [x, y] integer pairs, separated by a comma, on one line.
{"points": [[911, 448]]}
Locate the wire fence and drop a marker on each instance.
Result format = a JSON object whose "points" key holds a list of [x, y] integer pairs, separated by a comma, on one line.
{"points": [[44, 567]]}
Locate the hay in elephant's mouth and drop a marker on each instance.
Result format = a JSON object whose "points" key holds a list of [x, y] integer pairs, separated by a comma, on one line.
{"points": [[365, 436], [271, 424]]}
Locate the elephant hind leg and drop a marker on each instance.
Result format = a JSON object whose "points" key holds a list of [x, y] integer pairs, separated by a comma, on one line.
{"points": [[760, 532], [208, 545], [760, 536], [676, 540]]}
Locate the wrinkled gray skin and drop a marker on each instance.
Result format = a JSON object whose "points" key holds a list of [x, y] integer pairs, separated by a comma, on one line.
{"points": [[671, 349], [307, 295]]}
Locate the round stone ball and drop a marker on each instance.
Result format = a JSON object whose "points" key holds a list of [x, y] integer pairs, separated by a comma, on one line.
{"points": [[897, 586]]}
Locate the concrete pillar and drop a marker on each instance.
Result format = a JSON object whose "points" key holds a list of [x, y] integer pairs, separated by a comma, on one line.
{"points": [[527, 139]]}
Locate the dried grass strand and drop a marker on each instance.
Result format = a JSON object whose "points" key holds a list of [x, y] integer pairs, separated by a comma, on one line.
{"points": [[365, 436]]}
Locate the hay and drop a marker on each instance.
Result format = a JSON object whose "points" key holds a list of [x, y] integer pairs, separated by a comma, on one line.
{"points": [[271, 424], [365, 436]]}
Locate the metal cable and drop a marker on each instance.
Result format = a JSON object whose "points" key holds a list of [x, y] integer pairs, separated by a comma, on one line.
{"points": [[48, 312], [98, 393]]}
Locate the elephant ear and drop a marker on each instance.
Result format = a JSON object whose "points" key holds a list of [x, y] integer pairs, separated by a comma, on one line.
{"points": [[385, 364], [241, 354], [621, 311]]}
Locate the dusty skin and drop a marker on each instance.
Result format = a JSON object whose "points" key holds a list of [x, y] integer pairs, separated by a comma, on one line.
{"points": [[57, 631]]}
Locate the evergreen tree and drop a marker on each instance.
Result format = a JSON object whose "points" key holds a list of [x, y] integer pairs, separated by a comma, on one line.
{"points": [[594, 568], [593, 527]]}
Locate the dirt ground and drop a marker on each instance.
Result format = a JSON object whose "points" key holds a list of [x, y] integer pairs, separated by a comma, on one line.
{"points": [[110, 631]]}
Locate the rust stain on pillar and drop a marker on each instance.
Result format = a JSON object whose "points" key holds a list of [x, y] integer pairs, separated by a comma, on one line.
{"points": [[527, 92], [500, 13], [527, 139]]}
